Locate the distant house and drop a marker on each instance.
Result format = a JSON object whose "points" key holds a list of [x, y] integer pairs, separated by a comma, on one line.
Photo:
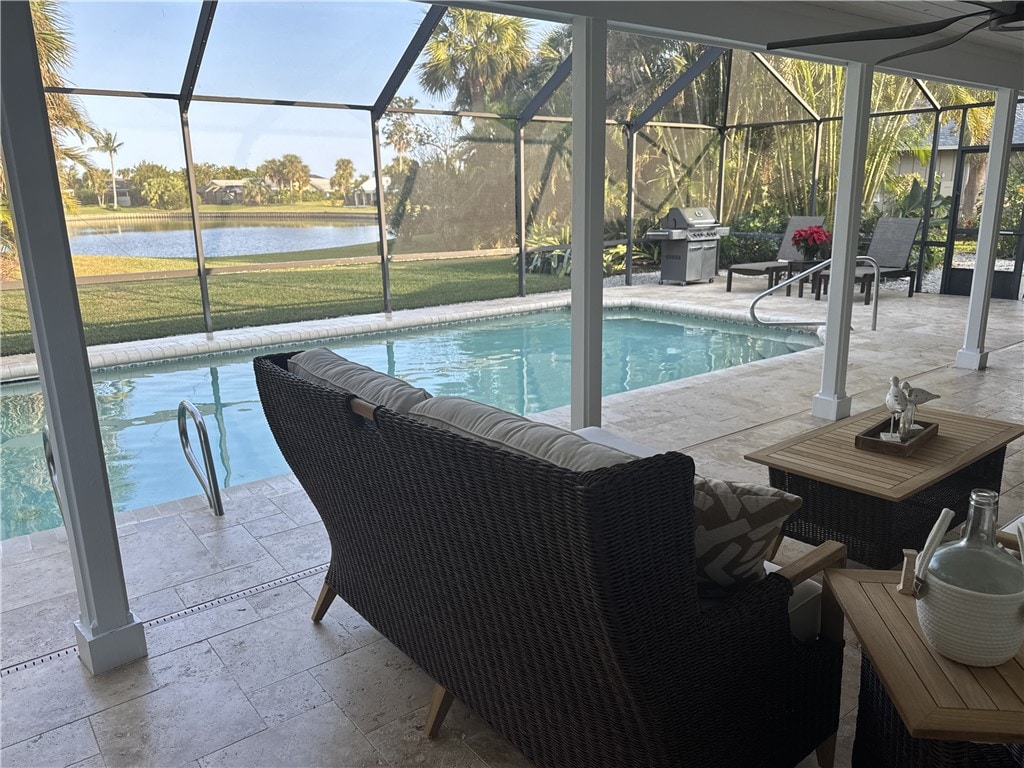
{"points": [[949, 140], [222, 191], [123, 198], [320, 184], [366, 193]]}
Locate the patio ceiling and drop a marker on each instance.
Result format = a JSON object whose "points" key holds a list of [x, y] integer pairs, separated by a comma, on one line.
{"points": [[982, 58]]}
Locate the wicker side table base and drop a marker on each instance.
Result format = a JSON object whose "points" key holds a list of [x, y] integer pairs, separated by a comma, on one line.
{"points": [[875, 531], [883, 742]]}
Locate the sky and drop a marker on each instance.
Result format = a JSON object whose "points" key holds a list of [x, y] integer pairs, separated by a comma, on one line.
{"points": [[327, 51]]}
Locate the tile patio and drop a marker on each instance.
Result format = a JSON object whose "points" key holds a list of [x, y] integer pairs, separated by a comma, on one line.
{"points": [[238, 675]]}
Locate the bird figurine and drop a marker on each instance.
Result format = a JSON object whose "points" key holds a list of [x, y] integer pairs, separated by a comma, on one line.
{"points": [[915, 396], [895, 402]]}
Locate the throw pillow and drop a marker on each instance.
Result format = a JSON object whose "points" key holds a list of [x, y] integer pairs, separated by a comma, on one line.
{"points": [[324, 367], [736, 526]]}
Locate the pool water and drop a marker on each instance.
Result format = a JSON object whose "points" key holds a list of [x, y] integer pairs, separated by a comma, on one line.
{"points": [[519, 363]]}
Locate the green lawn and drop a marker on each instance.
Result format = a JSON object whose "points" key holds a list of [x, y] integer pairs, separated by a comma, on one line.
{"points": [[117, 265], [154, 308]]}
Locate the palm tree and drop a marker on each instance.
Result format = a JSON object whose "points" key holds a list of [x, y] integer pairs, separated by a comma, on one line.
{"points": [[254, 192], [399, 129], [475, 54], [341, 181], [272, 172], [107, 142], [67, 118], [295, 172], [53, 42]]}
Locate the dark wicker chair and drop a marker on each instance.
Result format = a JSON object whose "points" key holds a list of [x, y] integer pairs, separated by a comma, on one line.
{"points": [[788, 254], [561, 607]]}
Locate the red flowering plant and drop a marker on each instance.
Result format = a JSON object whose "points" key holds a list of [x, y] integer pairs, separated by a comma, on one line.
{"points": [[811, 241]]}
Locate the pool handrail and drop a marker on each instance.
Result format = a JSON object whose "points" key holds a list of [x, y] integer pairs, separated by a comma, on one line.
{"points": [[51, 467], [209, 480], [806, 273]]}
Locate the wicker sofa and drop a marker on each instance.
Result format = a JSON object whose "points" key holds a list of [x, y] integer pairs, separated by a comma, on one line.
{"points": [[560, 606]]}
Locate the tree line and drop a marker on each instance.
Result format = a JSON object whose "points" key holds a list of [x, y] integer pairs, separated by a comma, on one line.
{"points": [[278, 180]]}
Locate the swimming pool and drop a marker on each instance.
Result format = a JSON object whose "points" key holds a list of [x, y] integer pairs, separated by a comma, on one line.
{"points": [[519, 363]]}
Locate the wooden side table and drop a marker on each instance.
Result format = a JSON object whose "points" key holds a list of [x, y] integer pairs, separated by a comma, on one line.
{"points": [[916, 707], [878, 505]]}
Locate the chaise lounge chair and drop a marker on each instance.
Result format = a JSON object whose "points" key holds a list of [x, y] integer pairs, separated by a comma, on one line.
{"points": [[787, 253], [891, 245]]}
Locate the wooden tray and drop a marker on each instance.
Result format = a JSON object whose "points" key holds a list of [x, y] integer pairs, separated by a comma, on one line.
{"points": [[870, 439]]}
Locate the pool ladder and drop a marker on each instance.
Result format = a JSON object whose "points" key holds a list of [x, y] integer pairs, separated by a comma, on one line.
{"points": [[209, 480], [51, 467]]}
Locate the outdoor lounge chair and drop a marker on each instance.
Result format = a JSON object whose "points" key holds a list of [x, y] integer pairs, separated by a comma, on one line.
{"points": [[787, 253], [891, 245]]}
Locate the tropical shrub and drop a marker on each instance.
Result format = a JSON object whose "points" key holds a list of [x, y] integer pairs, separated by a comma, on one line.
{"points": [[165, 192], [745, 248]]}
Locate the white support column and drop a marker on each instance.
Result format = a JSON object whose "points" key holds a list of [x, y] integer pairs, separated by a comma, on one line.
{"points": [[108, 633], [832, 402], [589, 53], [973, 355]]}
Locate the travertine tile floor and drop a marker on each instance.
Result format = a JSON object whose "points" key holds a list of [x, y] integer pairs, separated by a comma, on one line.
{"points": [[238, 675]]}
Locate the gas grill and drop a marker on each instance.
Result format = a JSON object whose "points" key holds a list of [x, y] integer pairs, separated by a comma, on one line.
{"points": [[689, 239]]}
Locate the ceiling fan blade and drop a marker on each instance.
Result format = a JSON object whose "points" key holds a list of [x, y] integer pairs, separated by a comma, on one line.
{"points": [[1003, 7], [886, 33], [932, 46]]}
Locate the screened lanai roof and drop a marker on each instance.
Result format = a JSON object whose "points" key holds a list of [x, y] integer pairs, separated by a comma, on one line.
{"points": [[982, 57]]}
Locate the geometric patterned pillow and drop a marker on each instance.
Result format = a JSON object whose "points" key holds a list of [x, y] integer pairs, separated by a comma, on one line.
{"points": [[737, 523]]}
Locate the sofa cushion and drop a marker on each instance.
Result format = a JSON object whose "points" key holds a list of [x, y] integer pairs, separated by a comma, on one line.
{"points": [[604, 437], [737, 524], [516, 433], [324, 367]]}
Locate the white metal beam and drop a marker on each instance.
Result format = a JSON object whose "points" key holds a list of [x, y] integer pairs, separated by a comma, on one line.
{"points": [[108, 633], [973, 355], [832, 402], [589, 54]]}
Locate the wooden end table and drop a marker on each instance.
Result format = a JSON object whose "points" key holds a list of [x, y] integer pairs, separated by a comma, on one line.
{"points": [[877, 504], [916, 707]]}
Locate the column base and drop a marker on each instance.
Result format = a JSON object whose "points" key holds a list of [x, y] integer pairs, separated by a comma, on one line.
{"points": [[975, 361], [101, 653], [831, 408]]}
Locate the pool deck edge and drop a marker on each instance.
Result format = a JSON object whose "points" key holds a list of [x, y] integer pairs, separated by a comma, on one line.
{"points": [[25, 367]]}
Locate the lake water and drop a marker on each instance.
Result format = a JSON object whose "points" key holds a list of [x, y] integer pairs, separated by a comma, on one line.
{"points": [[174, 239]]}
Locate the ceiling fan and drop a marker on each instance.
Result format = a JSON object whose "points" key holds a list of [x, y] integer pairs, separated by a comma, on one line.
{"points": [[998, 17]]}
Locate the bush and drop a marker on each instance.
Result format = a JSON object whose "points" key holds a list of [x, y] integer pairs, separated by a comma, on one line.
{"points": [[762, 218], [87, 197], [747, 248]]}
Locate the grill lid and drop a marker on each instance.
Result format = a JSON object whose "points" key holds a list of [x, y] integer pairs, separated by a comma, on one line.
{"points": [[689, 218]]}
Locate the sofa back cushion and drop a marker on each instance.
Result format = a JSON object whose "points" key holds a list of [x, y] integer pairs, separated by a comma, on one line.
{"points": [[324, 367], [517, 434]]}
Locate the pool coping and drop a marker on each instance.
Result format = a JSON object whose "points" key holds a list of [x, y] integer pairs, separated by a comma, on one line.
{"points": [[25, 367]]}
